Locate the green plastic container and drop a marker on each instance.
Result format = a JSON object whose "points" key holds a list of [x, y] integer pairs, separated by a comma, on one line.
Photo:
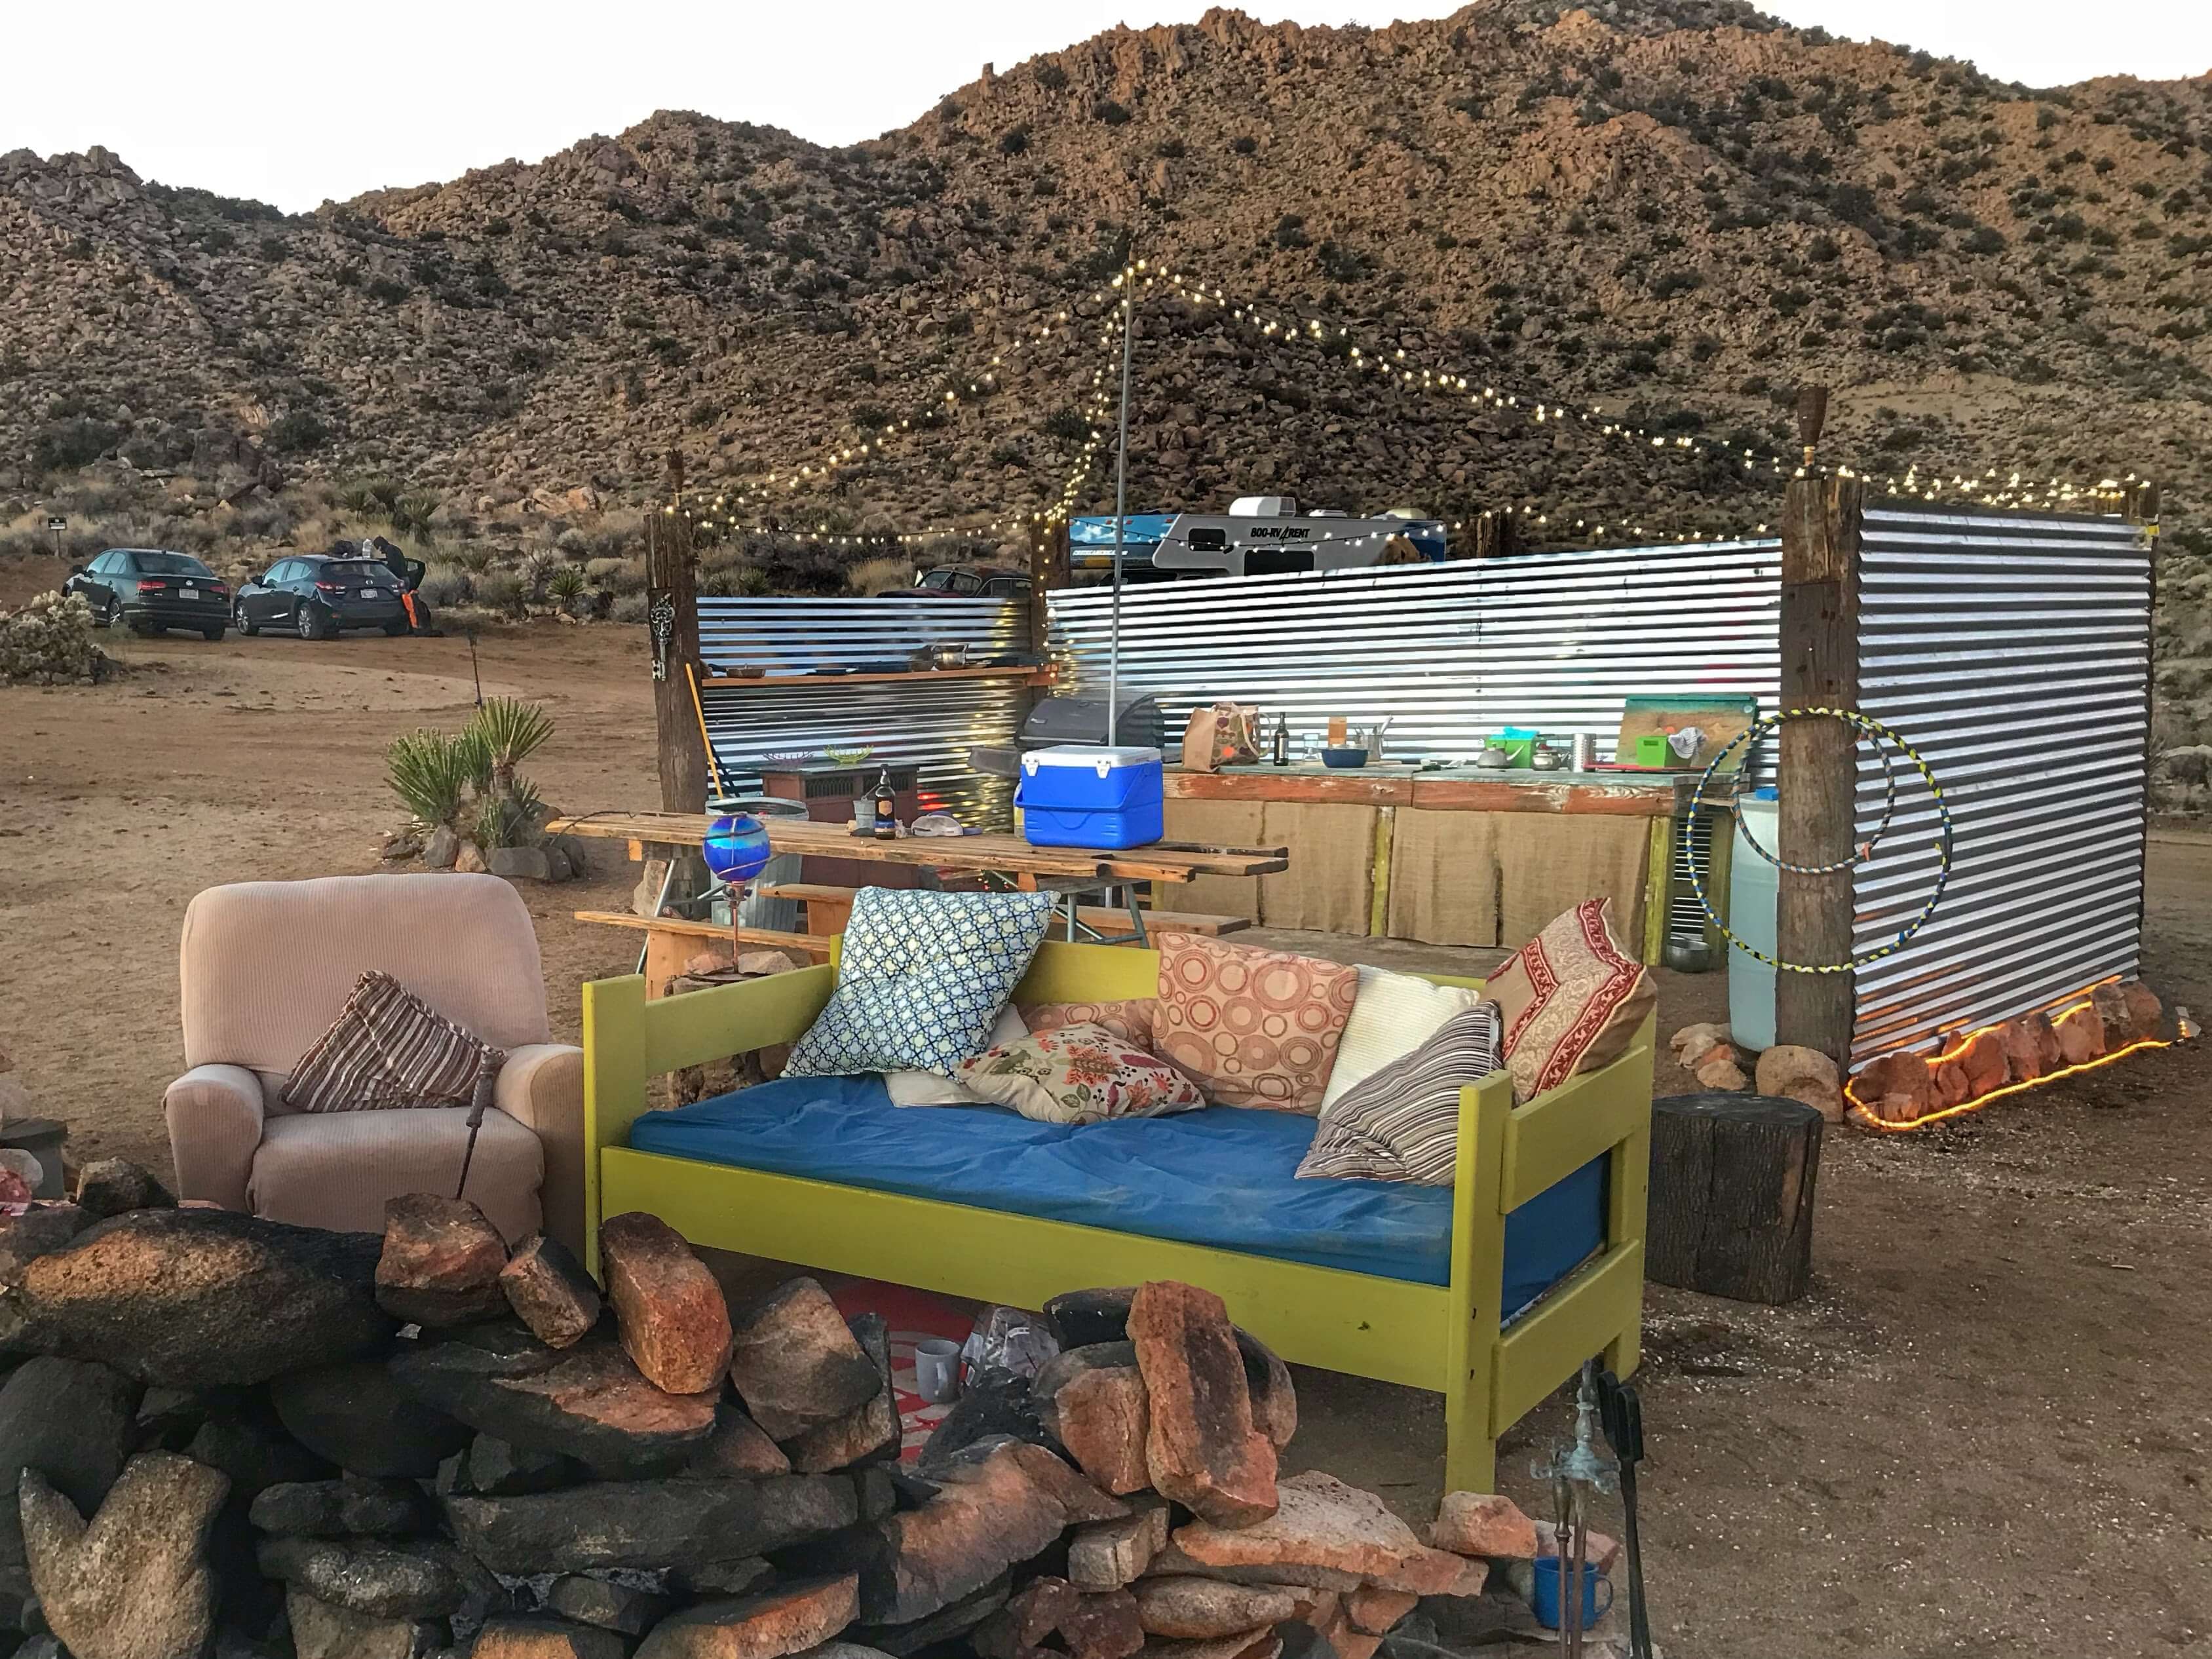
{"points": [[1651, 751]]}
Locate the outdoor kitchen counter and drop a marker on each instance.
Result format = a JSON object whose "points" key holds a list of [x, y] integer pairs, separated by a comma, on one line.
{"points": [[1456, 856]]}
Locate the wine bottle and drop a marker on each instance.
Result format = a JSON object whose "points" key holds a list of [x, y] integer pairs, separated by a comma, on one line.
{"points": [[886, 807]]}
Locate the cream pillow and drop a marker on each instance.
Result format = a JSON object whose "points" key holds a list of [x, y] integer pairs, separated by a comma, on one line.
{"points": [[927, 1089], [1392, 1015]]}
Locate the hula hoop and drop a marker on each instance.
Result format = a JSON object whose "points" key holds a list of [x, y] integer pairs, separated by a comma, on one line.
{"points": [[1880, 734]]}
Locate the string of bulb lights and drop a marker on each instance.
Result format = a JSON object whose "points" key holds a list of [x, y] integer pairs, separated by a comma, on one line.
{"points": [[1992, 487]]}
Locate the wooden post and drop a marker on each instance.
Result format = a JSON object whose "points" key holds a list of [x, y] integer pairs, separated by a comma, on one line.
{"points": [[1818, 780], [1732, 1182], [670, 578], [1496, 534]]}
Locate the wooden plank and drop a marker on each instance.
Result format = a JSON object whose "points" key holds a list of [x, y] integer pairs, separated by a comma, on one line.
{"points": [[1818, 777], [1580, 1319], [723, 1020], [1100, 917], [806, 681], [1477, 1284], [1378, 878], [684, 927], [1658, 890], [1355, 787], [1655, 798], [1563, 1128], [614, 1084]]}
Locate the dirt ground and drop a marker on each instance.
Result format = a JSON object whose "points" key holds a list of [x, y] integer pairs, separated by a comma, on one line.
{"points": [[1982, 1433]]}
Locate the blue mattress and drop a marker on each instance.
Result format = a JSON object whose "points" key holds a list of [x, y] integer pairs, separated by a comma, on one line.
{"points": [[1222, 1176]]}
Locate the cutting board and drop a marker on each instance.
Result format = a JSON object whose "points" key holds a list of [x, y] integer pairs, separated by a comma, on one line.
{"points": [[1722, 719]]}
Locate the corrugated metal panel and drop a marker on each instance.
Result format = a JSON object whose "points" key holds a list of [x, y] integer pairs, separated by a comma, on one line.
{"points": [[1450, 652], [2013, 652], [930, 726]]}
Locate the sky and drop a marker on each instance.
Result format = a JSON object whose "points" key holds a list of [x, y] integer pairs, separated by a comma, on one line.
{"points": [[295, 104]]}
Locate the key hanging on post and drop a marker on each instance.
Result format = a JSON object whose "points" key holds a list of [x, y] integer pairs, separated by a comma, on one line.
{"points": [[660, 620]]}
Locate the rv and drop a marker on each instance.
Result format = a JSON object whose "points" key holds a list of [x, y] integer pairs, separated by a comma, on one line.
{"points": [[1259, 536]]}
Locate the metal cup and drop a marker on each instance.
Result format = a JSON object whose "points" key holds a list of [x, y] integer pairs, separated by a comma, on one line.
{"points": [[1584, 752]]}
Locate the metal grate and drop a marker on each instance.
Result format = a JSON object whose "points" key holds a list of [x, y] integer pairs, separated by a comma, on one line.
{"points": [[2013, 650]]}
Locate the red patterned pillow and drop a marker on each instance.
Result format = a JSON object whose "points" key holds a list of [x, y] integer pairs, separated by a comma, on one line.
{"points": [[1572, 998], [1251, 1028], [1130, 1019]]}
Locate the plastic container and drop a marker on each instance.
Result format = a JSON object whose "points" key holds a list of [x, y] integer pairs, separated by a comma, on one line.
{"points": [[1651, 749], [1520, 747], [1754, 886], [1085, 795]]}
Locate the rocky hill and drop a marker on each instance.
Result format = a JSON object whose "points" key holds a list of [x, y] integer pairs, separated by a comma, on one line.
{"points": [[1673, 210]]}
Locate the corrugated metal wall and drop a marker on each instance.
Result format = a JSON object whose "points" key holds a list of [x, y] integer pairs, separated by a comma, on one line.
{"points": [[2013, 651], [929, 726], [1449, 652]]}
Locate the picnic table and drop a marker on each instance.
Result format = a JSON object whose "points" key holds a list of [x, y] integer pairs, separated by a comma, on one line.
{"points": [[1007, 861]]}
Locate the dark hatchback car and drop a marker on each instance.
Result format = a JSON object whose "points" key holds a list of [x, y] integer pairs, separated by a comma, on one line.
{"points": [[148, 589], [318, 595]]}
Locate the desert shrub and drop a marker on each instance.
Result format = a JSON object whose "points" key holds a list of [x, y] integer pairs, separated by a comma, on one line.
{"points": [[887, 575], [629, 608], [296, 432], [429, 771], [500, 591], [537, 570], [446, 585], [49, 642]]}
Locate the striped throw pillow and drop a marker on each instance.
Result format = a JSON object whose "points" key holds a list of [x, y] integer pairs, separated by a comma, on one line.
{"points": [[387, 1049], [1401, 1123]]}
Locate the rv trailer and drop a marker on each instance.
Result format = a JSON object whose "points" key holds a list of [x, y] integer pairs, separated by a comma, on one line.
{"points": [[1259, 536]]}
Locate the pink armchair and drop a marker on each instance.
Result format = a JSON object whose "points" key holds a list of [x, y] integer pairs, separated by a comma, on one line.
{"points": [[265, 967]]}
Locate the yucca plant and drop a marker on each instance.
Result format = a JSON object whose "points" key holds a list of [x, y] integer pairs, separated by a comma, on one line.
{"points": [[537, 570], [508, 819], [428, 771], [411, 515], [512, 731], [566, 586]]}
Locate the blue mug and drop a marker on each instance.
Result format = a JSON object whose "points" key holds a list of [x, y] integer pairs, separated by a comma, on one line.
{"points": [[1544, 1594]]}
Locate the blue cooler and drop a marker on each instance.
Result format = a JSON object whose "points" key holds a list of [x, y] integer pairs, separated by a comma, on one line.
{"points": [[1087, 795]]}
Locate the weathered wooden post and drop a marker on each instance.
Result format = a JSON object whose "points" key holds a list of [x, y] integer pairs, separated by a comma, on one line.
{"points": [[673, 630], [1818, 778]]}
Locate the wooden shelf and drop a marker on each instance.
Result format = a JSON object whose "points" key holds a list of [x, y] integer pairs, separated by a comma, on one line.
{"points": [[788, 681]]}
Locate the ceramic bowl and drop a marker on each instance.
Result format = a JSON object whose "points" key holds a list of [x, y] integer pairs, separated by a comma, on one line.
{"points": [[1344, 759]]}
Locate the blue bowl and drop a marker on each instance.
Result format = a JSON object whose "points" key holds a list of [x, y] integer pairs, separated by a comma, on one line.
{"points": [[1344, 759]]}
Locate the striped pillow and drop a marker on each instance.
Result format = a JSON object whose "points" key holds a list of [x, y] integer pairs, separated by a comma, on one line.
{"points": [[387, 1049], [1401, 1123]]}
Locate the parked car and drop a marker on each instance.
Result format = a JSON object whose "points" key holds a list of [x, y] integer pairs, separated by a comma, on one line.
{"points": [[148, 589], [979, 582], [319, 595]]}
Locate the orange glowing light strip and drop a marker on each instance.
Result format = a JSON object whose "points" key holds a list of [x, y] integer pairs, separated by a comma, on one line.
{"points": [[1865, 1117]]}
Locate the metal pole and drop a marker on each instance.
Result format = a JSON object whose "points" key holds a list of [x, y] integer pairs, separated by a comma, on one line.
{"points": [[1120, 510]]}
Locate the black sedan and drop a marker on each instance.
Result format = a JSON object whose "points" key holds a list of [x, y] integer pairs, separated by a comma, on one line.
{"points": [[317, 595], [148, 589]]}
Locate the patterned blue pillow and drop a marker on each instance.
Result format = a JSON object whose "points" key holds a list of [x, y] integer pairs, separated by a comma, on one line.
{"points": [[920, 979]]}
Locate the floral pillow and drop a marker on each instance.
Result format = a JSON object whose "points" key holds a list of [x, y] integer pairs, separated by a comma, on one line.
{"points": [[1249, 1027], [1079, 1074], [1130, 1019]]}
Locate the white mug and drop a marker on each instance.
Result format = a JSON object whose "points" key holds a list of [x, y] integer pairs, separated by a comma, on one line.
{"points": [[937, 1369]]}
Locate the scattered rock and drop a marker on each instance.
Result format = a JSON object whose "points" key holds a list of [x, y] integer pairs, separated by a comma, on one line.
{"points": [[134, 1583], [469, 859], [339, 1509], [440, 1262], [254, 1451], [795, 1362], [2146, 1014], [382, 1581], [204, 1297], [600, 1602], [1982, 1064], [989, 1515], [550, 1292], [1104, 1555], [1201, 1446], [1372, 1610], [674, 1323], [116, 1185], [1086, 1318], [870, 1429], [2081, 1035], [442, 848], [1905, 1078], [357, 1416], [2031, 1047], [723, 1578], [947, 1624], [738, 1447], [320, 1631], [788, 1618], [518, 863], [536, 1636], [1049, 1615], [1720, 1073], [498, 1469], [1093, 1398], [1325, 1535], [1789, 1072], [1483, 1523], [1193, 1609], [650, 1523], [1694, 1044], [993, 1405]]}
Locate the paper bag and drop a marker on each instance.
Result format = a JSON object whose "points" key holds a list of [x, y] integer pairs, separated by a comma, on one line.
{"points": [[1223, 734]]}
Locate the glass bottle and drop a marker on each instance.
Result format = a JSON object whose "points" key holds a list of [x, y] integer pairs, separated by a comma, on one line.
{"points": [[886, 807]]}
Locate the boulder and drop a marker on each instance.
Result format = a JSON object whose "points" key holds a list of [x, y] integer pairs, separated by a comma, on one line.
{"points": [[649, 1524], [788, 1618], [1049, 1615], [498, 1468], [2081, 1035], [341, 1509], [550, 1292], [871, 1431], [1789, 1072], [249, 1445], [2111, 1002], [201, 1298], [1104, 1555], [2031, 1047], [134, 1583], [116, 1185], [1325, 1535], [796, 1363], [994, 1406], [536, 1636], [70, 1420], [620, 1608], [1982, 1064], [518, 863], [1191, 1608], [2146, 1014], [739, 1446], [1086, 1318], [440, 1262], [1483, 1523], [356, 1415], [947, 1624], [1694, 1044], [320, 1631], [1200, 1445], [1901, 1074], [37, 1232], [1720, 1073], [382, 1580], [1093, 1401], [675, 1325], [716, 1579], [442, 848], [592, 1405], [1372, 1609]]}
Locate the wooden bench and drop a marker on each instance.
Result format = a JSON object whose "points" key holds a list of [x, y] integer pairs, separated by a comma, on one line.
{"points": [[671, 941], [829, 908]]}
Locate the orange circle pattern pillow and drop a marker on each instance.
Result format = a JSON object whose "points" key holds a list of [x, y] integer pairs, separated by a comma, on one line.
{"points": [[1251, 1028]]}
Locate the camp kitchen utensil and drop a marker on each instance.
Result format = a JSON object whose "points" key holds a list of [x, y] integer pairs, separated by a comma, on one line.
{"points": [[1584, 754], [1375, 738], [937, 1369], [1546, 757], [1546, 1603], [848, 754], [1623, 1414], [1493, 758], [1345, 758]]}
